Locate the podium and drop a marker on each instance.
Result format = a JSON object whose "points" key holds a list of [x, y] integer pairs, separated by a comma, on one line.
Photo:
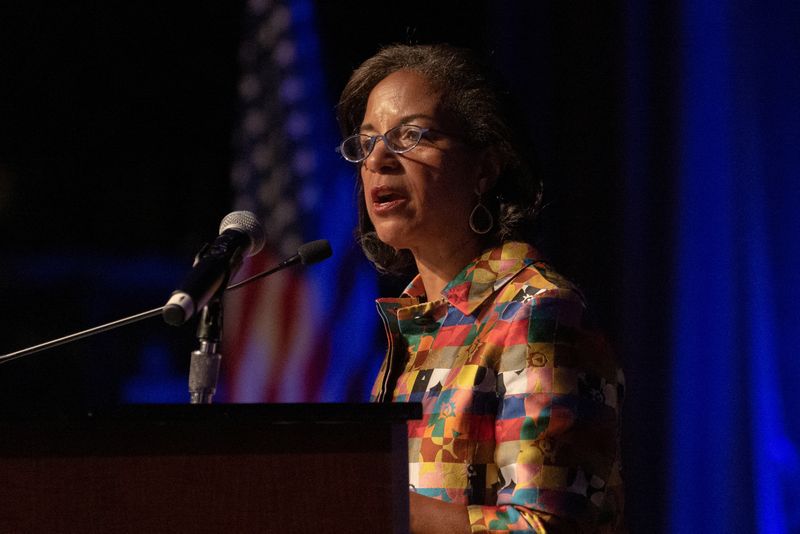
{"points": [[238, 468]]}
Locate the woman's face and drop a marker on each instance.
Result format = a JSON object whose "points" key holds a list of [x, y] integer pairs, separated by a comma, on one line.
{"points": [[421, 198]]}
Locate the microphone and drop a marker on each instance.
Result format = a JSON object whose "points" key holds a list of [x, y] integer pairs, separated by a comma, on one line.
{"points": [[240, 235], [307, 254]]}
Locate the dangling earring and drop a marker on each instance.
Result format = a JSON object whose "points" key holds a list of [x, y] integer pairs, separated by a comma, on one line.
{"points": [[480, 219]]}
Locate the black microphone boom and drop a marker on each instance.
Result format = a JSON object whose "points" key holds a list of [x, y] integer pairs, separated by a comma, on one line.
{"points": [[307, 254], [240, 235]]}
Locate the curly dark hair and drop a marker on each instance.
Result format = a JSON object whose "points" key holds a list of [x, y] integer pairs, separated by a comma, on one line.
{"points": [[482, 112]]}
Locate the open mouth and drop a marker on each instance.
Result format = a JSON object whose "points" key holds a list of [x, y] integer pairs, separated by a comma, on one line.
{"points": [[386, 201], [383, 195]]}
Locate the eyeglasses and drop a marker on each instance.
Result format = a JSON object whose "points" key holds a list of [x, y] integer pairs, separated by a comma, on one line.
{"points": [[398, 140]]}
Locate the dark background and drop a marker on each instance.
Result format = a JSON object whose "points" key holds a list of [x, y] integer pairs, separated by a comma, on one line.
{"points": [[115, 131]]}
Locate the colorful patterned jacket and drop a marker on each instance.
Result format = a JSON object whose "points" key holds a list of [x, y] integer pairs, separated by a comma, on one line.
{"points": [[520, 394]]}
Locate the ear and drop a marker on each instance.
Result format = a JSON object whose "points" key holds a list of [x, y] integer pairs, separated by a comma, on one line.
{"points": [[489, 170]]}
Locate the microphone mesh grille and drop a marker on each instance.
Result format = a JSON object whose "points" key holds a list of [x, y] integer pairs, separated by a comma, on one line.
{"points": [[314, 251], [247, 223]]}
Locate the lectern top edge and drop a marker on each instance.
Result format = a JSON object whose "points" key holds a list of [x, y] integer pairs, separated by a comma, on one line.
{"points": [[217, 413]]}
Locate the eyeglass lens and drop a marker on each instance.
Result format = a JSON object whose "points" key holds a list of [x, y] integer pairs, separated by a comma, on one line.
{"points": [[399, 139]]}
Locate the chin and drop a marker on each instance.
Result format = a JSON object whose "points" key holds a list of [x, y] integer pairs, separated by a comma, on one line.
{"points": [[396, 244], [397, 239]]}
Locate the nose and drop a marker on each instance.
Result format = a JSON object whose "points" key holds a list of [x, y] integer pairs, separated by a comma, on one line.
{"points": [[381, 159]]}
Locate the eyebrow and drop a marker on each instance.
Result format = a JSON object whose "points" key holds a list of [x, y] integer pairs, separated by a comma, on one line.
{"points": [[403, 120]]}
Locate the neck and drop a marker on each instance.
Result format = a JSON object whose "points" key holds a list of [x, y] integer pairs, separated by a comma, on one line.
{"points": [[439, 265]]}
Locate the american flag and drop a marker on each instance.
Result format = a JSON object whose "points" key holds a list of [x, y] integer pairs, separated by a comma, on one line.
{"points": [[306, 334]]}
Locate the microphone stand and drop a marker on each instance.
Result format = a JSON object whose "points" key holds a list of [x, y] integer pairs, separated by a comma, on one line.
{"points": [[204, 366]]}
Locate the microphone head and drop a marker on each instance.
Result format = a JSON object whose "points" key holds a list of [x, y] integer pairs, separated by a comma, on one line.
{"points": [[246, 223], [314, 251]]}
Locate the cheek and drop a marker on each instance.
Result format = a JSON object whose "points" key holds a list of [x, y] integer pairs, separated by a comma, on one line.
{"points": [[459, 204], [455, 186], [361, 190]]}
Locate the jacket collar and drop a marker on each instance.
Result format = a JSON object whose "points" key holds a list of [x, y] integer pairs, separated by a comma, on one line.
{"points": [[478, 280]]}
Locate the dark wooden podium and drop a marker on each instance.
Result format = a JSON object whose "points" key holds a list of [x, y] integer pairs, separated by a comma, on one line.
{"points": [[321, 468]]}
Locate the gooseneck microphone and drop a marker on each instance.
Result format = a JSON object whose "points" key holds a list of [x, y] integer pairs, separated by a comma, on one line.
{"points": [[307, 254], [240, 236], [311, 252]]}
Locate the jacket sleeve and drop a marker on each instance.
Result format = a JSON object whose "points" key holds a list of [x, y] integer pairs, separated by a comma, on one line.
{"points": [[556, 428]]}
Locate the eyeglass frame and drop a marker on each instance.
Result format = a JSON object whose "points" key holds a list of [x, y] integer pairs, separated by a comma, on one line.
{"points": [[373, 139]]}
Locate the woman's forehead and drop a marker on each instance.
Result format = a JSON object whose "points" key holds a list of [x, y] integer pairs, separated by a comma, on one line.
{"points": [[401, 96]]}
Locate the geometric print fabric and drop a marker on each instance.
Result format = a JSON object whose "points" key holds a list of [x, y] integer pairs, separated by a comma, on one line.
{"points": [[520, 395]]}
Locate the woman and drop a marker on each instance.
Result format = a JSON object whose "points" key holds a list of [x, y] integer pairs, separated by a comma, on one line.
{"points": [[520, 394]]}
